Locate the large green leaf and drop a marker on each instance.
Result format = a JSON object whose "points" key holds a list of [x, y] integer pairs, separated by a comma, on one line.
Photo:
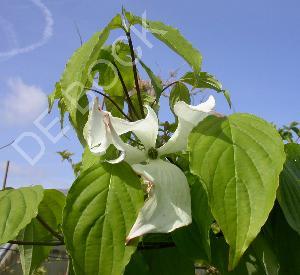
{"points": [[179, 92], [168, 261], [110, 59], [259, 258], [285, 242], [32, 256], [239, 158], [78, 74], [172, 38], [289, 188], [101, 208], [193, 240], [50, 210], [17, 208], [137, 265]]}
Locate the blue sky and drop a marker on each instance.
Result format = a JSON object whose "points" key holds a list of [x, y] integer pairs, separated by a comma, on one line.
{"points": [[252, 47]]}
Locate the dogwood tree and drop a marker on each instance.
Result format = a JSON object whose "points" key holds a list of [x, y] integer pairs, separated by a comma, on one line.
{"points": [[211, 191]]}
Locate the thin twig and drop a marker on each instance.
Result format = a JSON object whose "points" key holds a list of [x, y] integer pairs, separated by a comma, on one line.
{"points": [[36, 243], [169, 85], [165, 88], [78, 33], [5, 175], [7, 144], [129, 101], [48, 227], [134, 69], [111, 100]]}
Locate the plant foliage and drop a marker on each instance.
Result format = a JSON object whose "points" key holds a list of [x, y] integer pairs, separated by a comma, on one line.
{"points": [[209, 191]]}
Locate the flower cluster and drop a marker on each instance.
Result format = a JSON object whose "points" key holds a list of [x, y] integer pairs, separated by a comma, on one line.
{"points": [[169, 204]]}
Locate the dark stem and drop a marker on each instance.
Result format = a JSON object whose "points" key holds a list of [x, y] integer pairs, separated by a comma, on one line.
{"points": [[134, 69], [48, 227], [111, 100], [165, 88], [7, 144], [36, 243], [79, 34], [169, 85], [129, 102], [5, 175]]}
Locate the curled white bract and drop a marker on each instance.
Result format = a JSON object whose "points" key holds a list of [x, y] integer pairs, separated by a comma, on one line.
{"points": [[169, 204]]}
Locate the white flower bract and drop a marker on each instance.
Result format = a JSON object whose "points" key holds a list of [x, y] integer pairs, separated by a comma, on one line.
{"points": [[169, 203]]}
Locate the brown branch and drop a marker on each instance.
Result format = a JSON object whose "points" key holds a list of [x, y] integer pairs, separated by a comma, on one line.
{"points": [[111, 100], [48, 228], [36, 243], [5, 175], [129, 101], [134, 69]]}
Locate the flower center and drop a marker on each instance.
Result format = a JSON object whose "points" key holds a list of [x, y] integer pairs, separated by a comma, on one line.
{"points": [[152, 153]]}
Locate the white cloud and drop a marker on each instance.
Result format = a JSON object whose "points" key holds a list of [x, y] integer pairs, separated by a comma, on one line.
{"points": [[23, 103], [46, 35]]}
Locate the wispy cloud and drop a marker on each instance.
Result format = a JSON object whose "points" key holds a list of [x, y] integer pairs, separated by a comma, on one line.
{"points": [[23, 103], [46, 35]]}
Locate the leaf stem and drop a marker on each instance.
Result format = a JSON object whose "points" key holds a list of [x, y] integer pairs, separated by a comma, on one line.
{"points": [[165, 88], [5, 175], [129, 101], [112, 101], [36, 243], [7, 144], [169, 85], [134, 69], [48, 227]]}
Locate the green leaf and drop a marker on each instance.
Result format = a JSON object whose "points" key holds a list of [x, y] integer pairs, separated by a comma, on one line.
{"points": [[155, 81], [102, 206], [168, 261], [179, 92], [137, 265], [110, 57], [289, 188], [227, 97], [56, 94], [78, 74], [119, 100], [89, 159], [32, 256], [17, 208], [259, 258], [50, 210], [193, 240], [239, 158], [285, 242], [265, 255], [170, 37], [204, 80]]}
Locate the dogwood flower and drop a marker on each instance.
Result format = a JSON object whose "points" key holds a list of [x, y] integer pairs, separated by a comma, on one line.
{"points": [[168, 205]]}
